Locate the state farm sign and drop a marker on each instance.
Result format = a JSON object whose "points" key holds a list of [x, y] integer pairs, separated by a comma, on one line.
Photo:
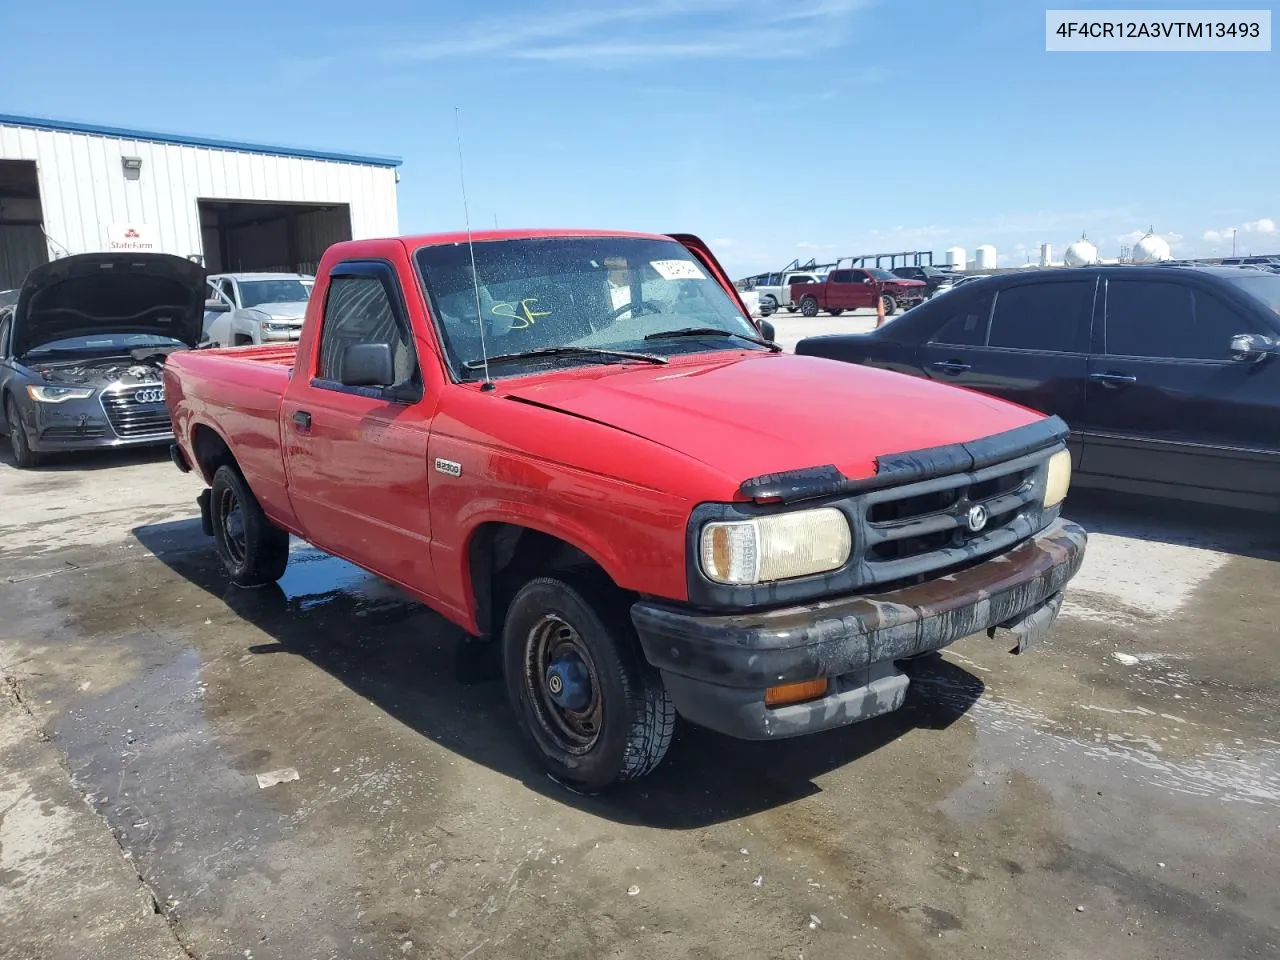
{"points": [[130, 236]]}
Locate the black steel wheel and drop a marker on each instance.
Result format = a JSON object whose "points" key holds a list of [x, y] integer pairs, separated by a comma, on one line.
{"points": [[594, 711], [253, 549], [23, 455]]}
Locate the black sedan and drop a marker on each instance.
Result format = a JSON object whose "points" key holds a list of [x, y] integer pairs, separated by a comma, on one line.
{"points": [[1169, 377], [81, 351]]}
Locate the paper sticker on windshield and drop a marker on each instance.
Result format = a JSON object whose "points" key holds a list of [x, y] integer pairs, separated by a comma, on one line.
{"points": [[677, 270]]}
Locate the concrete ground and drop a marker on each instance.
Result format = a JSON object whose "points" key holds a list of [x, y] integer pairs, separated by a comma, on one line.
{"points": [[192, 770]]}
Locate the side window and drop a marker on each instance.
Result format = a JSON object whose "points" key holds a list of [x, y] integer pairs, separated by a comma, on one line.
{"points": [[1150, 318], [965, 324], [228, 291], [1043, 316], [6, 321], [359, 310], [802, 278], [841, 276]]}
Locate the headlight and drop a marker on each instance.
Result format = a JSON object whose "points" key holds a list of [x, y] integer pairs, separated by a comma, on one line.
{"points": [[51, 394], [1058, 478], [775, 548]]}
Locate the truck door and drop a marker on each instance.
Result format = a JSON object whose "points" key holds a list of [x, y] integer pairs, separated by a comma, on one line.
{"points": [[861, 292], [357, 455], [842, 290]]}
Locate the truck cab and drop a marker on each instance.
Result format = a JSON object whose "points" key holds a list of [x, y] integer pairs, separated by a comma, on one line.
{"points": [[255, 308], [774, 290], [858, 288]]}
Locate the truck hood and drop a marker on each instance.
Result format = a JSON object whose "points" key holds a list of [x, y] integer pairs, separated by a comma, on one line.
{"points": [[749, 415], [94, 294], [284, 310]]}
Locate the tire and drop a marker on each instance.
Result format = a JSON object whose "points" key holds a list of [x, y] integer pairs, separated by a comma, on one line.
{"points": [[809, 307], [768, 306], [890, 306], [23, 455], [252, 548], [836, 313], [243, 340], [792, 309], [622, 730]]}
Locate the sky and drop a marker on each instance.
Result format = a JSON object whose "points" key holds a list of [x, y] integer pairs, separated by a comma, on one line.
{"points": [[774, 129]]}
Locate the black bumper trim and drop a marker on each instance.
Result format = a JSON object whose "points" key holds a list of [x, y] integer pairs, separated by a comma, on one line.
{"points": [[835, 637]]}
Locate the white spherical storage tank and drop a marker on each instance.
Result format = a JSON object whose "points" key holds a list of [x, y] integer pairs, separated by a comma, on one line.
{"points": [[955, 258], [985, 257], [1151, 249], [1082, 253]]}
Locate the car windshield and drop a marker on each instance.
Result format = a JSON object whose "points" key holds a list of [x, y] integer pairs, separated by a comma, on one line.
{"points": [[109, 341], [256, 292], [882, 274], [1260, 286], [607, 293]]}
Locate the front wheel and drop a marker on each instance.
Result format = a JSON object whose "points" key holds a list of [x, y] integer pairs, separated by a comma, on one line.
{"points": [[809, 307], [252, 548], [890, 306], [791, 309], [768, 306], [23, 455], [594, 711]]}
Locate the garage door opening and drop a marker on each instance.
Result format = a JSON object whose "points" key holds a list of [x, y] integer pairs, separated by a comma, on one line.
{"points": [[239, 236], [22, 243]]}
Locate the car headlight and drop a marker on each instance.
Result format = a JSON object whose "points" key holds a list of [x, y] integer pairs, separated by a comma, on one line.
{"points": [[50, 394], [778, 547], [1058, 478]]}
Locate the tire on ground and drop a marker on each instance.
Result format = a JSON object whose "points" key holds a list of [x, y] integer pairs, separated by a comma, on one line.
{"points": [[252, 548], [890, 306], [809, 307], [637, 716], [23, 455]]}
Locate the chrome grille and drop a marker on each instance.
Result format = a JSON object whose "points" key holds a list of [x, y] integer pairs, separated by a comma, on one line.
{"points": [[923, 527], [131, 419]]}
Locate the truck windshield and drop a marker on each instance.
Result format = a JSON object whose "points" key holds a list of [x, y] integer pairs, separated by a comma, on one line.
{"points": [[602, 292], [254, 293], [881, 274]]}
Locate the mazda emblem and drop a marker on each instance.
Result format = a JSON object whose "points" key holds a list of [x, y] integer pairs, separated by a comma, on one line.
{"points": [[977, 517]]}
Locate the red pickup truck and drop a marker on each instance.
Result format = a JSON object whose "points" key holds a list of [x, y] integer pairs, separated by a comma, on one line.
{"points": [[577, 446], [843, 290]]}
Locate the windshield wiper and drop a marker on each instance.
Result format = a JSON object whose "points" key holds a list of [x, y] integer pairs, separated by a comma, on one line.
{"points": [[712, 331], [566, 351]]}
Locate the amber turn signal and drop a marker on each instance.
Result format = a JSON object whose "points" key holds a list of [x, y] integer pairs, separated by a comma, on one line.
{"points": [[795, 692]]}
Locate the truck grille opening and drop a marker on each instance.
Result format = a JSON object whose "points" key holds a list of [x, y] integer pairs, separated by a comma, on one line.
{"points": [[131, 419], [932, 525]]}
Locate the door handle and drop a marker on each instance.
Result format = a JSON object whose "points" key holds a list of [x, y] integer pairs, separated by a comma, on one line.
{"points": [[1112, 379], [302, 421], [949, 366]]}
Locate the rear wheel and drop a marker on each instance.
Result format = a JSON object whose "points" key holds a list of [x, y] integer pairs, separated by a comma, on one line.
{"points": [[890, 306], [835, 313], [791, 309], [809, 307], [23, 455], [253, 549], [594, 711]]}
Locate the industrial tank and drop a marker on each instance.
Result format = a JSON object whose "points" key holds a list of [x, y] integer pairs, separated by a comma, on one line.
{"points": [[955, 258], [1152, 248], [1082, 253], [985, 257]]}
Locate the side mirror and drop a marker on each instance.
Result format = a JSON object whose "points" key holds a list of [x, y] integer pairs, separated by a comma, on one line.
{"points": [[1252, 347], [367, 365], [767, 331], [214, 305]]}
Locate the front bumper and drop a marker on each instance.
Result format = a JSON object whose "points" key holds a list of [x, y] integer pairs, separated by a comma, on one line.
{"points": [[83, 425], [717, 667]]}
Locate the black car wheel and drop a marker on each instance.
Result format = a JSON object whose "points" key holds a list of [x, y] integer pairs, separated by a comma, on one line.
{"points": [[792, 309], [253, 549], [835, 313], [768, 306], [23, 455], [594, 711], [809, 307], [890, 306]]}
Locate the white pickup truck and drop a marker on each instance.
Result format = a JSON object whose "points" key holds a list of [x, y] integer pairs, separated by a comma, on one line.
{"points": [[774, 290], [257, 308]]}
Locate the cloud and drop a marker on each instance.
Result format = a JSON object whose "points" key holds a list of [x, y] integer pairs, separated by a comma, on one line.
{"points": [[1265, 225], [1259, 227], [650, 31]]}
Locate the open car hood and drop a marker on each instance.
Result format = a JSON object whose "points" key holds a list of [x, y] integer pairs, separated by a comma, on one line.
{"points": [[110, 293]]}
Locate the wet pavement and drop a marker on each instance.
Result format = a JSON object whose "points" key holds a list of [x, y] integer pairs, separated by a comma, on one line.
{"points": [[308, 771]]}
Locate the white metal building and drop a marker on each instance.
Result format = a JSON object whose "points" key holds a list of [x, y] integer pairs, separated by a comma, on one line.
{"points": [[75, 188]]}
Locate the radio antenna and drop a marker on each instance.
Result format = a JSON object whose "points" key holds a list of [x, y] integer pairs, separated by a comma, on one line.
{"points": [[471, 249]]}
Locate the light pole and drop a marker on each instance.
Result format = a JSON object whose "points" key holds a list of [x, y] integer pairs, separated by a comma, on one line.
{"points": [[1233, 242]]}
